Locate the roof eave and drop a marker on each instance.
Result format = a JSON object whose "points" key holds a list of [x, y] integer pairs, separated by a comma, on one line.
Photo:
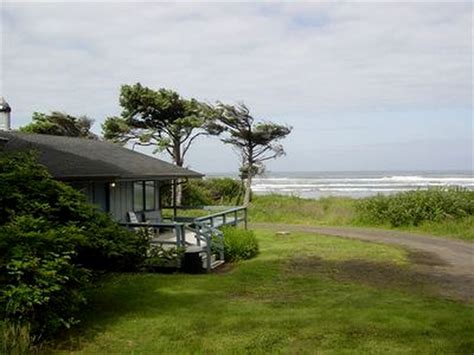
{"points": [[127, 178]]}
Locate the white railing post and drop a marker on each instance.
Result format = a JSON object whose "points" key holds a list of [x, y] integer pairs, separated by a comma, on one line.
{"points": [[208, 250], [198, 234], [245, 217]]}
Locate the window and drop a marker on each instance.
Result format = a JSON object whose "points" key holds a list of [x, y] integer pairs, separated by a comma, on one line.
{"points": [[138, 196], [144, 196], [149, 195]]}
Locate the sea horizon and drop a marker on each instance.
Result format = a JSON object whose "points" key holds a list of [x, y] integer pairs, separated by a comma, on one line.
{"points": [[355, 184]]}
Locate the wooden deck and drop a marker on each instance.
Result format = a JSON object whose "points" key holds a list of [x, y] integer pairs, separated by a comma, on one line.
{"points": [[199, 235], [168, 238]]}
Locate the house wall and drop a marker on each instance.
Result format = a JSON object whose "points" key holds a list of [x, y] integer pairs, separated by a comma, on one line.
{"points": [[121, 200], [120, 197]]}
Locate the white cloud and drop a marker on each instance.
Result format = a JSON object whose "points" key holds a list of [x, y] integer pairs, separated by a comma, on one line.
{"points": [[286, 60]]}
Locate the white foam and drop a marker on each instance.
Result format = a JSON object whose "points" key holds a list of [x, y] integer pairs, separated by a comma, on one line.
{"points": [[350, 185]]}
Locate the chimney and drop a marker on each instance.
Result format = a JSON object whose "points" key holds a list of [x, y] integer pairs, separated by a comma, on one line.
{"points": [[5, 110]]}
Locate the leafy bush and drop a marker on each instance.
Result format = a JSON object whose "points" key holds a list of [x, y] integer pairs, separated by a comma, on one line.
{"points": [[239, 244], [415, 207], [211, 192], [49, 238], [41, 286], [195, 193], [159, 257], [27, 189]]}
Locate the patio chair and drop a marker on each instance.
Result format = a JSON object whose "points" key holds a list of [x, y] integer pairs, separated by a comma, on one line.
{"points": [[153, 217], [133, 218]]}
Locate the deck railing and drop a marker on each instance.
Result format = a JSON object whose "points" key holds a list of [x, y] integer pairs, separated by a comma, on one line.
{"points": [[179, 230], [228, 217], [204, 228]]}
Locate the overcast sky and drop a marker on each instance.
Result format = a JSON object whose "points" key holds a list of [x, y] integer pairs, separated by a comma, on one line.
{"points": [[366, 86]]}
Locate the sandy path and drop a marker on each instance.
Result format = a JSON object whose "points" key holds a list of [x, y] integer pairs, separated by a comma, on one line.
{"points": [[453, 260]]}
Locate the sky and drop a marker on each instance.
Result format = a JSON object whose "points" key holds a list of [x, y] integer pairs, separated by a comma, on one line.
{"points": [[365, 85]]}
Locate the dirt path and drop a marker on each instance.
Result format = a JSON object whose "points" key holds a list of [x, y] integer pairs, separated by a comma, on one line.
{"points": [[449, 263]]}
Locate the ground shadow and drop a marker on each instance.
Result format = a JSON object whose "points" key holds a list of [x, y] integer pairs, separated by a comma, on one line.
{"points": [[420, 276], [151, 295]]}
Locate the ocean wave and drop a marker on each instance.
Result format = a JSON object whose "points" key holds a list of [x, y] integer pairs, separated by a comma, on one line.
{"points": [[356, 185], [349, 185], [406, 179]]}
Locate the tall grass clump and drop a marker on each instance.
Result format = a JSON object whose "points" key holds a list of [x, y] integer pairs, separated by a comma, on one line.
{"points": [[298, 210], [239, 244], [412, 208]]}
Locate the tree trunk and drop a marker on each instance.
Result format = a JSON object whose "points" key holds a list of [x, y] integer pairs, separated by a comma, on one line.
{"points": [[248, 181], [248, 190], [179, 193], [178, 160]]}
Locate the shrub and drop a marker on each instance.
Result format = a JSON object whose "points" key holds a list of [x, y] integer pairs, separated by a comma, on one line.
{"points": [[415, 207], [239, 244], [49, 238], [225, 190], [212, 191], [159, 257], [196, 193], [27, 189], [42, 289], [106, 245]]}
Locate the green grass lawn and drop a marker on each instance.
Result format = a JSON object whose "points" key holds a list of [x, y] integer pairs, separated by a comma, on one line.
{"points": [[339, 211], [297, 296]]}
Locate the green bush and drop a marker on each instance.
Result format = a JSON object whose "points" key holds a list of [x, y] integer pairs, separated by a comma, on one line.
{"points": [[49, 239], [223, 191], [196, 193], [414, 207], [41, 288], [239, 244], [27, 189]]}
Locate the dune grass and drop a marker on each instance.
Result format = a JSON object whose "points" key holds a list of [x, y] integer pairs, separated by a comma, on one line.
{"points": [[338, 211], [291, 209], [285, 300]]}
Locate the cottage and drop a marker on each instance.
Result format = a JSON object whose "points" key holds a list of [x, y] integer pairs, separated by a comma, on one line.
{"points": [[116, 179], [126, 184]]}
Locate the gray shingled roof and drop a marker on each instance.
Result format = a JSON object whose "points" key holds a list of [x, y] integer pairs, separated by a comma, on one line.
{"points": [[80, 159]]}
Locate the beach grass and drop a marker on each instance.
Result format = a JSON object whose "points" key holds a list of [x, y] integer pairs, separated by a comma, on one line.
{"points": [[339, 211], [296, 210], [292, 298]]}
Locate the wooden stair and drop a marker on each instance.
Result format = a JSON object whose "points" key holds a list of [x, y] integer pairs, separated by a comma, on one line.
{"points": [[214, 261]]}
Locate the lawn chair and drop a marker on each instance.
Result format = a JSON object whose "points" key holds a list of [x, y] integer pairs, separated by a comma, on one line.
{"points": [[153, 216], [133, 218]]}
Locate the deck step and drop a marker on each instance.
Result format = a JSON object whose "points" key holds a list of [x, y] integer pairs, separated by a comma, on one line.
{"points": [[217, 263], [204, 259], [214, 261]]}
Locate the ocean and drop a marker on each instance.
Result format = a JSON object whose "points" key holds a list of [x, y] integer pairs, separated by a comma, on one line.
{"points": [[356, 184]]}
